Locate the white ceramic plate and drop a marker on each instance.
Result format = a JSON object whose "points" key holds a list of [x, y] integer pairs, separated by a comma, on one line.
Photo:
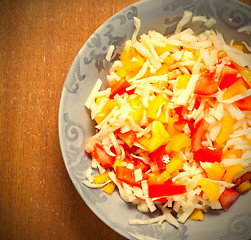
{"points": [[75, 125]]}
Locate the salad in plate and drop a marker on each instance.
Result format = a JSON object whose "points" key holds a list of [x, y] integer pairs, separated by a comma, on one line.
{"points": [[174, 123]]}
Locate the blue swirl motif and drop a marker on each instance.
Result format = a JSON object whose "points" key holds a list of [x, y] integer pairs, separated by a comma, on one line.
{"points": [[72, 83], [239, 14], [99, 46], [238, 228], [78, 161], [75, 133]]}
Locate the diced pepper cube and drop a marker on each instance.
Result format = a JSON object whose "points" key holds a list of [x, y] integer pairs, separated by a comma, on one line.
{"points": [[118, 162], [183, 81], [137, 108], [178, 141], [155, 106], [102, 178], [109, 188], [211, 189], [174, 165], [161, 50], [246, 73], [243, 187], [226, 130], [159, 136], [109, 105], [233, 90], [231, 172], [215, 171], [197, 215]]}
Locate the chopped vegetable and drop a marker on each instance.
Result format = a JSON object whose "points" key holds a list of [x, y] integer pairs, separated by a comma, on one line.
{"points": [[227, 198], [166, 189], [226, 130], [211, 189], [109, 188], [102, 178], [215, 171], [231, 172], [243, 187], [197, 215]]}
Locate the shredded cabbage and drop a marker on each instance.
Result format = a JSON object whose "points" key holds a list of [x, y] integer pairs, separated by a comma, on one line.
{"points": [[161, 77]]}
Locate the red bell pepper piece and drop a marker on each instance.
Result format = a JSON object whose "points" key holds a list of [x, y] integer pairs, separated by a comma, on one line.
{"points": [[160, 156], [203, 154], [166, 189], [228, 77], [120, 88], [102, 157], [227, 198], [206, 84], [244, 104], [243, 178], [208, 154], [127, 137], [127, 175], [243, 81], [140, 164]]}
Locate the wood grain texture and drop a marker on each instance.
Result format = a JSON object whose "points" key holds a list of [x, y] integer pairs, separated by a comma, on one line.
{"points": [[38, 42]]}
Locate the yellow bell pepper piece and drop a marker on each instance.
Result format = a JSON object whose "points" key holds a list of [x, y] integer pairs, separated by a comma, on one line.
{"points": [[122, 72], [183, 81], [215, 171], [162, 70], [127, 53], [159, 136], [170, 126], [160, 50], [235, 89], [153, 177], [133, 64], [109, 188], [144, 141], [243, 187], [138, 108], [109, 105], [197, 215], [211, 189], [246, 73], [231, 171], [174, 165], [118, 162], [196, 54], [169, 60], [155, 105], [226, 130], [178, 141], [102, 178]]}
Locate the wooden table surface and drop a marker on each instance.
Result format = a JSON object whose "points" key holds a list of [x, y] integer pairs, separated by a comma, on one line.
{"points": [[38, 42]]}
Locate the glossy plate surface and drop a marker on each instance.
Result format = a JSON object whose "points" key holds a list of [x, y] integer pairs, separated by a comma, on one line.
{"points": [[75, 125]]}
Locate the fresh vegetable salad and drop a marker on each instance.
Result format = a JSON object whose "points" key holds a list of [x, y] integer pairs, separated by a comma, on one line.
{"points": [[173, 126]]}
